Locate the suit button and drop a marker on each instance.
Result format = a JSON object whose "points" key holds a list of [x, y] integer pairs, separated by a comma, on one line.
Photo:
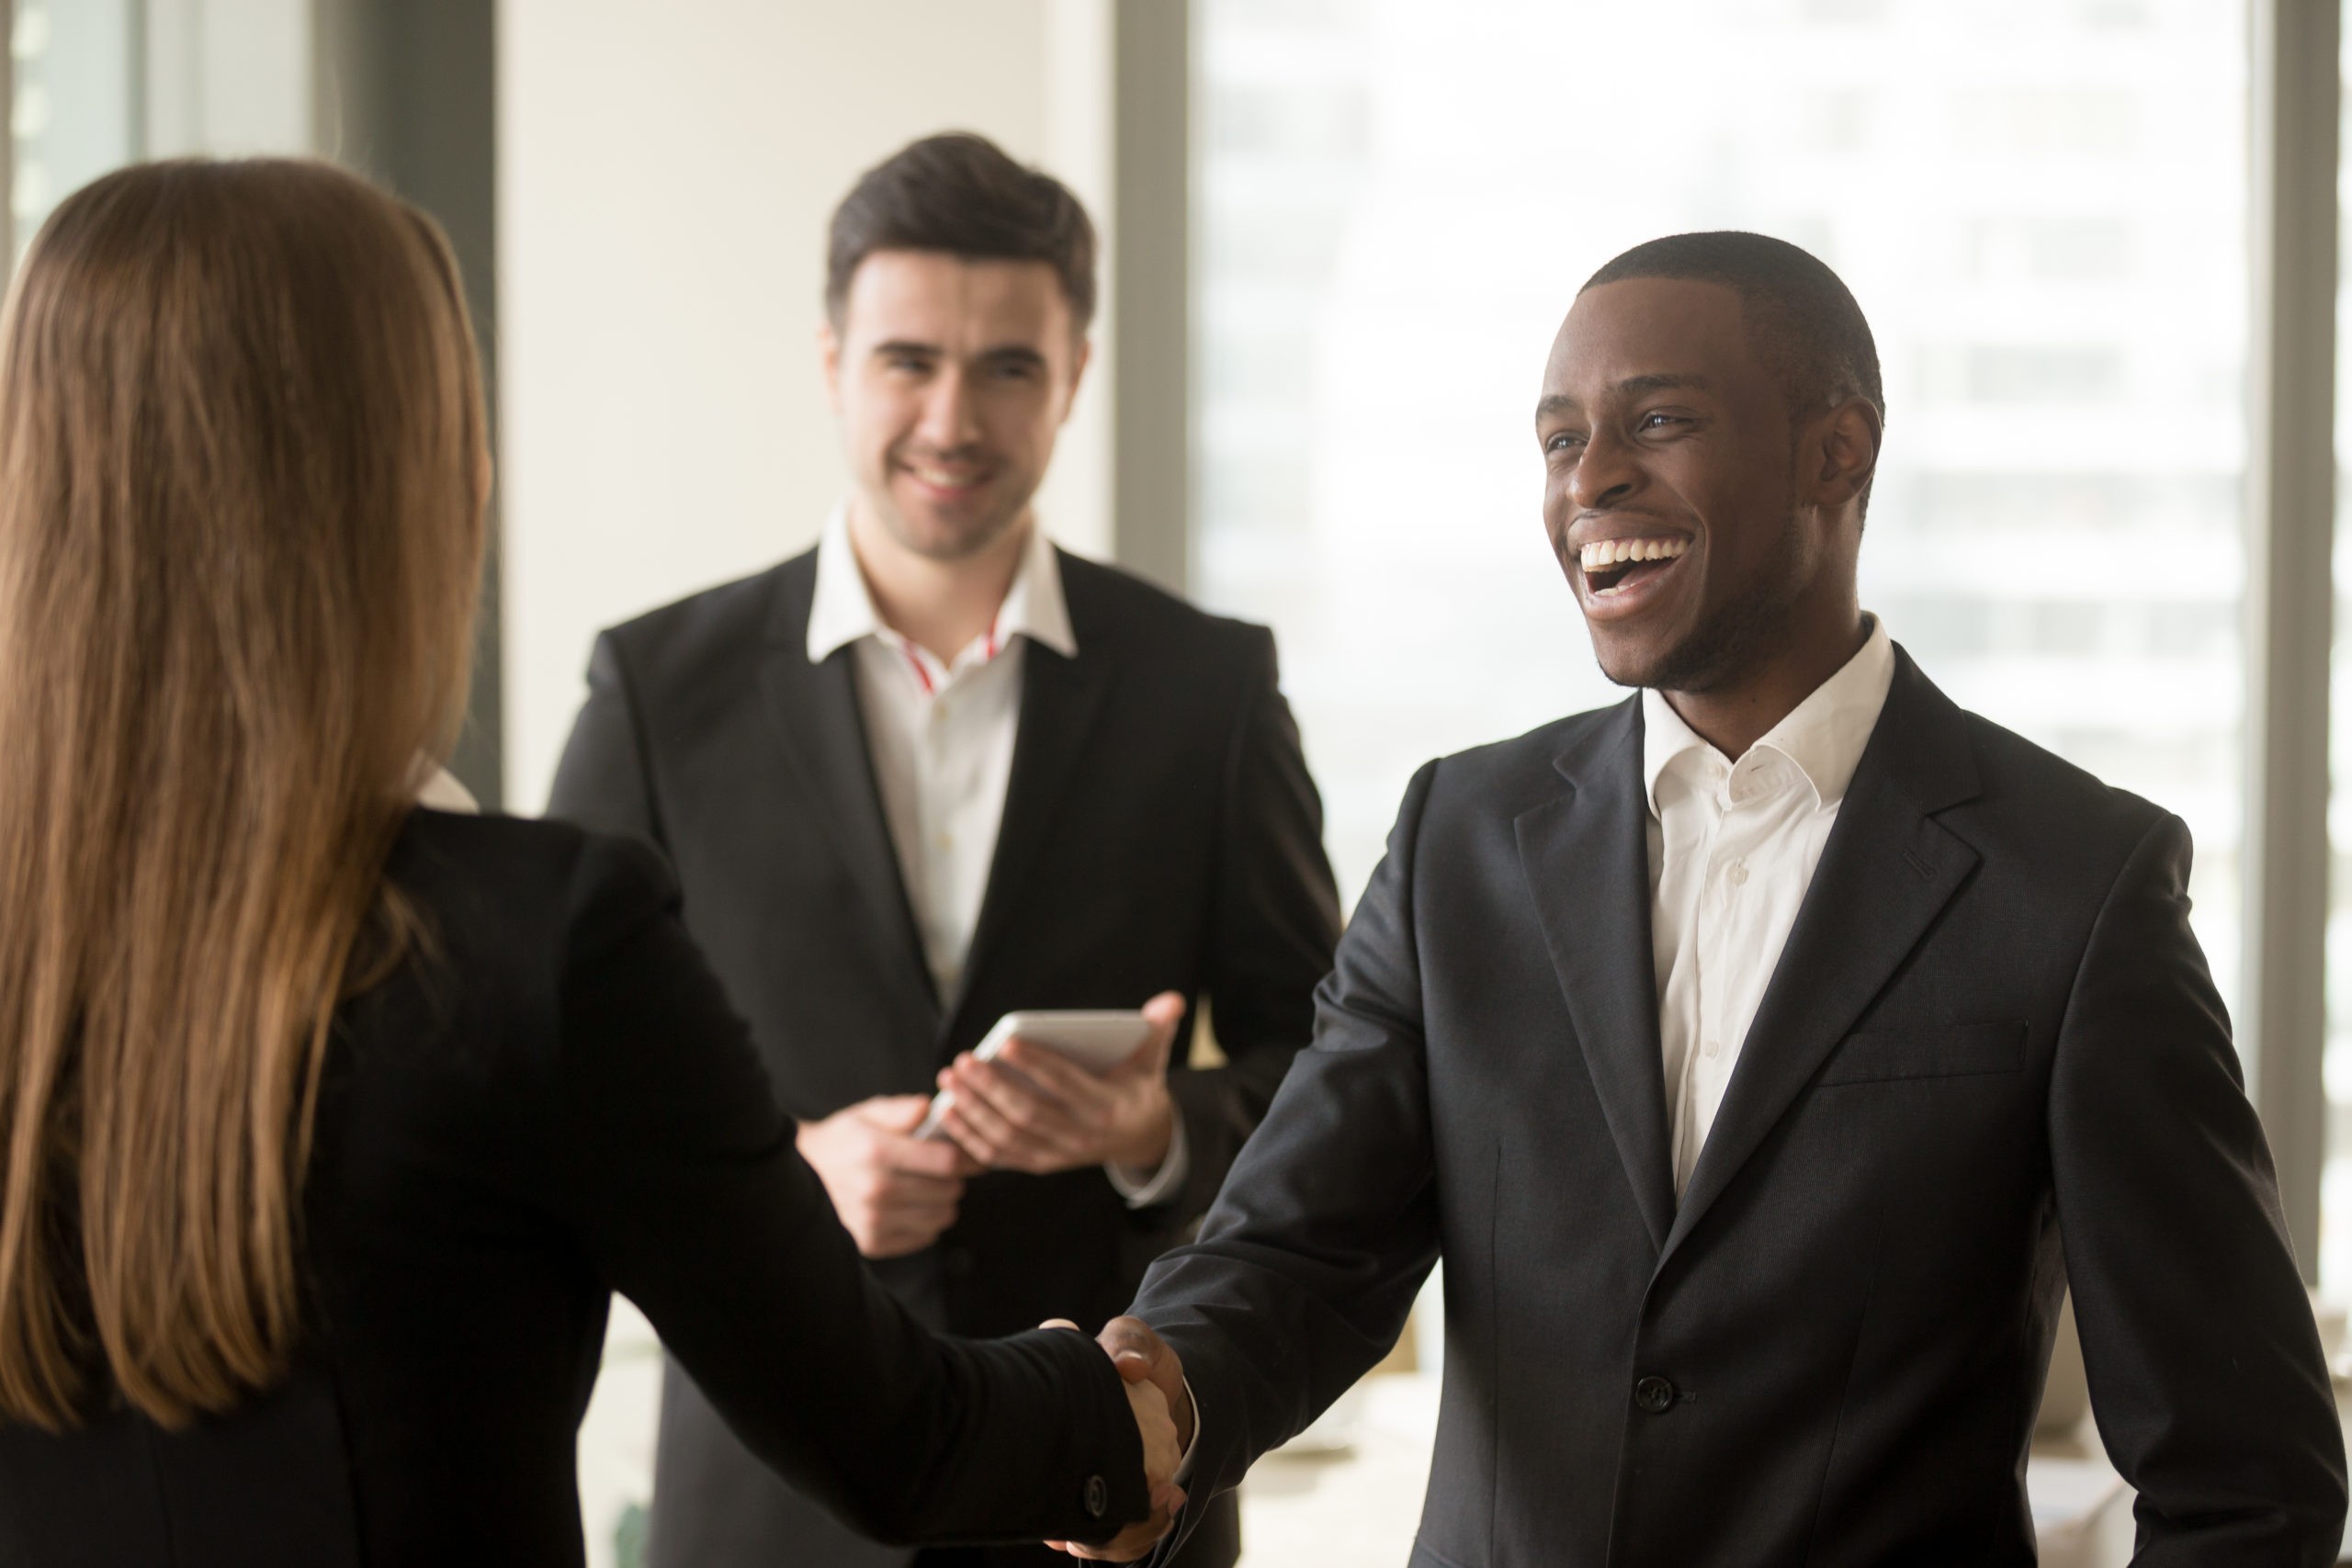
{"points": [[1654, 1395], [1098, 1497]]}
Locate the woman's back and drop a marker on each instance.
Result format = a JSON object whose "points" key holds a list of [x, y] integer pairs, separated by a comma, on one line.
{"points": [[551, 1100], [455, 1315]]}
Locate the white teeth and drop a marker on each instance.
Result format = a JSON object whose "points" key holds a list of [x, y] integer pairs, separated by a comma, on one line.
{"points": [[1604, 553], [941, 479]]}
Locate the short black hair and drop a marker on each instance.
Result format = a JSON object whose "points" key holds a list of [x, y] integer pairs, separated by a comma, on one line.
{"points": [[1801, 317], [960, 194]]}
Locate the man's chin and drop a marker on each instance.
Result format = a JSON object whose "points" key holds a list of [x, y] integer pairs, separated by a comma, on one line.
{"points": [[1688, 664], [947, 536], [1628, 664]]}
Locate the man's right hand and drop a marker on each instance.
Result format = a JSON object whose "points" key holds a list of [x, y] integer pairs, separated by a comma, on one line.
{"points": [[1130, 1342], [894, 1193], [1144, 1359]]}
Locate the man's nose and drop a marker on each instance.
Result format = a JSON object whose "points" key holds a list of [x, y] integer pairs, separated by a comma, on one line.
{"points": [[1606, 473], [948, 415]]}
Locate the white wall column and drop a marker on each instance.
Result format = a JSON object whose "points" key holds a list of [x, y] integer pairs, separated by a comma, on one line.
{"points": [[666, 176]]}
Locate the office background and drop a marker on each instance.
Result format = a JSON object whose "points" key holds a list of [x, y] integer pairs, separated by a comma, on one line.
{"points": [[2096, 239]]}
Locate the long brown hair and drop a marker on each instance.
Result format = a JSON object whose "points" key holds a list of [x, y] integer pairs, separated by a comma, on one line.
{"points": [[241, 533]]}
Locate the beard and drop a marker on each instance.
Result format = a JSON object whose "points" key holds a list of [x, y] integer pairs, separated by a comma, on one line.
{"points": [[1735, 637], [947, 539], [953, 544]]}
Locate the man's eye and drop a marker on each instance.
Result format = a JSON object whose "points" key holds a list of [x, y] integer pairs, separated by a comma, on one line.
{"points": [[1657, 421], [1562, 442]]}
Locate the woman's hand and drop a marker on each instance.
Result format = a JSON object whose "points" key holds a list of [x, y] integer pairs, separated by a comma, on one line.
{"points": [[1163, 1452]]}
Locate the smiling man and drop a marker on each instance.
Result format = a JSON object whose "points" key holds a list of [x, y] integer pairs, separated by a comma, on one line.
{"points": [[937, 771], [1765, 1055]]}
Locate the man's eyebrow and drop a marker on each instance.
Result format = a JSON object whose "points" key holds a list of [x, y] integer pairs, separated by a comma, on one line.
{"points": [[1631, 386], [1634, 386], [1002, 354]]}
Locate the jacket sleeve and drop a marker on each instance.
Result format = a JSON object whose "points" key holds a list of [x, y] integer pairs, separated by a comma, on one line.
{"points": [[603, 780], [668, 1160], [1311, 1257], [2205, 1368], [1273, 924]]}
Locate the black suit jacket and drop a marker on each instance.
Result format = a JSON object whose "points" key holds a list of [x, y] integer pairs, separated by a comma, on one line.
{"points": [[1159, 831], [1990, 1060], [551, 1100]]}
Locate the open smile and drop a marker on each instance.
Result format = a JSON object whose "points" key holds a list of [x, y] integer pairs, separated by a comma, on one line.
{"points": [[1627, 567], [947, 482]]}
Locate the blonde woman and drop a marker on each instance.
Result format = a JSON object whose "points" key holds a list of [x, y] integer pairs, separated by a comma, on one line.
{"points": [[329, 1122]]}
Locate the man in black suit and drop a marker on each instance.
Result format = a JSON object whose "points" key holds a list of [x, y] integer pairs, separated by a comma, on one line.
{"points": [[937, 771], [1765, 1055]]}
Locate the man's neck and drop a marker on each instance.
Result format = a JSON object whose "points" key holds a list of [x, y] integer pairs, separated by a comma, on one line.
{"points": [[938, 606], [1735, 717]]}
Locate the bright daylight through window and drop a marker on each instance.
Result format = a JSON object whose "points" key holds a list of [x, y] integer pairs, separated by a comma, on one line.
{"points": [[1399, 200]]}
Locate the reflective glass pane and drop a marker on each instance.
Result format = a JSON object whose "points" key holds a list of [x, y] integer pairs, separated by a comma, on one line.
{"points": [[2336, 1179], [72, 110], [2041, 205]]}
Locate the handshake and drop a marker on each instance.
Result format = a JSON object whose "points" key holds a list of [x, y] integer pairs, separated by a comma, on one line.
{"points": [[1164, 1417]]}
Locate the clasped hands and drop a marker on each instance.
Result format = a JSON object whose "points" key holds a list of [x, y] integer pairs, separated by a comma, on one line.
{"points": [[1027, 1110], [1164, 1419]]}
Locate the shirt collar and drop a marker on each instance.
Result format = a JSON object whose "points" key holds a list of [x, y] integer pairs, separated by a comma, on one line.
{"points": [[1823, 735], [842, 609]]}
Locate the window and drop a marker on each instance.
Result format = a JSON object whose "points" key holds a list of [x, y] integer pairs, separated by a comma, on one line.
{"points": [[72, 110], [2336, 1181], [2040, 207]]}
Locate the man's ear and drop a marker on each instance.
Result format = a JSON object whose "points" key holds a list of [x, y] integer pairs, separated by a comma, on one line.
{"points": [[1846, 451], [829, 359], [1084, 357]]}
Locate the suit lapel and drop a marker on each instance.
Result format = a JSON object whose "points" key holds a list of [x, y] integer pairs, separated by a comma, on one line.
{"points": [[1888, 870], [1586, 854], [814, 707], [1060, 699]]}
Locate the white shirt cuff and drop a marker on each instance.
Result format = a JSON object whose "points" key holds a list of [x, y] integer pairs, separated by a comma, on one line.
{"points": [[1184, 1465], [1142, 1188]]}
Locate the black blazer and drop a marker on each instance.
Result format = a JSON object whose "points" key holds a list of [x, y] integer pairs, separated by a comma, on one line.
{"points": [[1990, 1061], [1159, 831], [549, 1103]]}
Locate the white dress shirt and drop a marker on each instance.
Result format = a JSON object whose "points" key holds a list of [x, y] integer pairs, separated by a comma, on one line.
{"points": [[1733, 848], [941, 737]]}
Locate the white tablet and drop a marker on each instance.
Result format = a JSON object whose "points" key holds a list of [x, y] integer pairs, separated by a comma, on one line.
{"points": [[1095, 1041]]}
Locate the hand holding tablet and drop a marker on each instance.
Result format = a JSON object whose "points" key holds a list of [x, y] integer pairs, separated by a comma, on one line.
{"points": [[1096, 1041], [1052, 1091]]}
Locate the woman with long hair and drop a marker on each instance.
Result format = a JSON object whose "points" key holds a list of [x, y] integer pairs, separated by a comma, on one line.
{"points": [[329, 1122]]}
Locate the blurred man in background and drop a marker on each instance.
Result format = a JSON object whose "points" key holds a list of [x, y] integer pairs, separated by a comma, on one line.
{"points": [[935, 770]]}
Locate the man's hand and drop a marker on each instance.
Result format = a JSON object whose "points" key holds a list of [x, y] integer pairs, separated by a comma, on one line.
{"points": [[894, 1194], [1031, 1111], [1137, 1350], [1163, 1441]]}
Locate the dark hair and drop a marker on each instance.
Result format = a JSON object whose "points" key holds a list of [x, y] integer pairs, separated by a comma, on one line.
{"points": [[1801, 317], [959, 193]]}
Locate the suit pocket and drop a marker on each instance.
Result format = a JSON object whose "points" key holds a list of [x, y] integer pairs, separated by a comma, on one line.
{"points": [[1950, 1051]]}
